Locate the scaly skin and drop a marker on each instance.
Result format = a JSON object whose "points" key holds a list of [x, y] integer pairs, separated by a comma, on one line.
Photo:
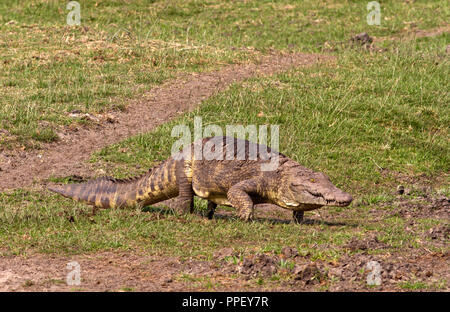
{"points": [[237, 183]]}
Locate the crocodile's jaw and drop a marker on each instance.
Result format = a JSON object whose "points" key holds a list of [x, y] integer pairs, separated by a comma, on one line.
{"points": [[296, 206], [308, 190]]}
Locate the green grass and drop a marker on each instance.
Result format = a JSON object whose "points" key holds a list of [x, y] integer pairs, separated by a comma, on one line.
{"points": [[123, 49], [44, 224], [414, 285]]}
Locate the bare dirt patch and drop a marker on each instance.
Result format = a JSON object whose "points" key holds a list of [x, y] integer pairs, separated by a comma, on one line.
{"points": [[104, 271], [131, 271], [68, 155]]}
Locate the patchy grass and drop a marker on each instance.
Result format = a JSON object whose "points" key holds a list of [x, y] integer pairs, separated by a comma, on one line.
{"points": [[47, 225], [414, 285], [123, 49]]}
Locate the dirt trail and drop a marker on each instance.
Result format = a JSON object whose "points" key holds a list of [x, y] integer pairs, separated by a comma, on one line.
{"points": [[415, 33], [68, 155]]}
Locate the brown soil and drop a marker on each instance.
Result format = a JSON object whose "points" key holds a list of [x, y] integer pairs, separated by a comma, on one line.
{"points": [[130, 271], [68, 155]]}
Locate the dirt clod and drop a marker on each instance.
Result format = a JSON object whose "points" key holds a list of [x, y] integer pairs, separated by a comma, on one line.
{"points": [[289, 252], [309, 274], [263, 265], [362, 39]]}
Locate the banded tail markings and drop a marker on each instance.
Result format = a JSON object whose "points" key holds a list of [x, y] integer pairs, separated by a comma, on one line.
{"points": [[108, 192]]}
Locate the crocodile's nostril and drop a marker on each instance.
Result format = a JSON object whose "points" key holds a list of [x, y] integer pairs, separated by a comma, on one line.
{"points": [[345, 198]]}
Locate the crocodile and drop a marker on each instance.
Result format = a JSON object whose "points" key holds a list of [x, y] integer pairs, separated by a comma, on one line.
{"points": [[239, 181]]}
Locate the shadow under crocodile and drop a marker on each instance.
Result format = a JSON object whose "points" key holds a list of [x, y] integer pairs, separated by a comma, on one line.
{"points": [[164, 210]]}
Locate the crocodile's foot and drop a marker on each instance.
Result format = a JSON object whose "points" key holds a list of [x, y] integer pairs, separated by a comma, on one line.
{"points": [[298, 216], [246, 215], [185, 206]]}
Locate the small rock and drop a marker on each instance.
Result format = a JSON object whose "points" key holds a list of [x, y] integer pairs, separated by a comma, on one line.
{"points": [[261, 265], [362, 39]]}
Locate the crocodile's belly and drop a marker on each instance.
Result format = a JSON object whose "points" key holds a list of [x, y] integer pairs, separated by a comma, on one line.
{"points": [[219, 200], [215, 197]]}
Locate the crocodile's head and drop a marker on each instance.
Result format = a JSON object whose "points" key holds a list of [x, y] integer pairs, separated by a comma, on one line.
{"points": [[308, 190]]}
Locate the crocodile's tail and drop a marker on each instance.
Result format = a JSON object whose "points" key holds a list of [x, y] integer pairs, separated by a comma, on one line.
{"points": [[154, 186]]}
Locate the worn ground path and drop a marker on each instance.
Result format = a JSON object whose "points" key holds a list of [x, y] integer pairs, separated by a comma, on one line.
{"points": [[162, 103]]}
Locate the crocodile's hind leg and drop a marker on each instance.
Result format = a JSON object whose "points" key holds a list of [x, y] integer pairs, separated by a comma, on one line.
{"points": [[186, 199], [298, 216], [185, 192], [211, 209]]}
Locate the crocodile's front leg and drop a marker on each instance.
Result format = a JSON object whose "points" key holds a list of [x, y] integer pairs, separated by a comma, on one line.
{"points": [[238, 196]]}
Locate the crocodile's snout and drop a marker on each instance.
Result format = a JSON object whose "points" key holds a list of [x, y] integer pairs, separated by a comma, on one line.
{"points": [[340, 198]]}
